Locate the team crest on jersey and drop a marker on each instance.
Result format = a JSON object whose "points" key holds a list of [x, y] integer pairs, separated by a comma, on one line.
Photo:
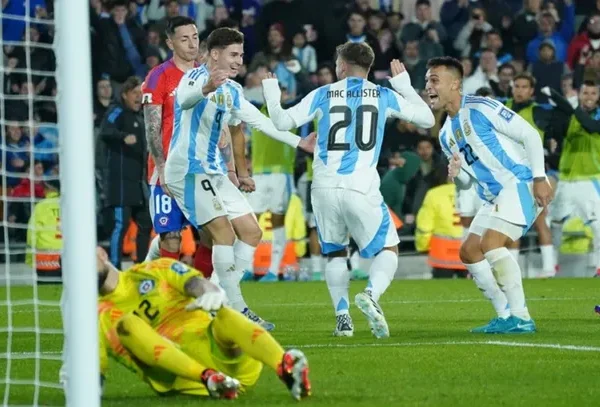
{"points": [[458, 134], [146, 286], [467, 129], [506, 114], [217, 204], [163, 220], [147, 98], [180, 268], [229, 101]]}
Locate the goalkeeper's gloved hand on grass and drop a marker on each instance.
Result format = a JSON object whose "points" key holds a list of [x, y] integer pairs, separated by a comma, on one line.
{"points": [[211, 300]]}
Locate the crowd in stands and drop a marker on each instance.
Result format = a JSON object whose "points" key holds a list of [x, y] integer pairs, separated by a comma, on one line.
{"points": [[558, 41]]}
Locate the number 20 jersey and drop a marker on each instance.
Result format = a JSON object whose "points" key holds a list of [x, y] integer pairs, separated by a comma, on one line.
{"points": [[484, 133], [351, 116]]}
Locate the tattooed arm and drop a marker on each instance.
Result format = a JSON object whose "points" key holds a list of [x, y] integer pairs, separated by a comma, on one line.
{"points": [[226, 150], [153, 124], [238, 143]]}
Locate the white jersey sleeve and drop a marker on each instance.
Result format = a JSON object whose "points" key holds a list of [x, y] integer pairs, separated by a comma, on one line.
{"points": [[513, 126], [410, 106], [189, 90], [295, 116], [248, 113]]}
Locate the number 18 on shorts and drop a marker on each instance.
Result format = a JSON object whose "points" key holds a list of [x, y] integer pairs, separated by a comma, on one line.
{"points": [[165, 213]]}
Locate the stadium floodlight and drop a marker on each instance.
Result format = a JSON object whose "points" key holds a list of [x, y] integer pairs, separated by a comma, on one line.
{"points": [[30, 330]]}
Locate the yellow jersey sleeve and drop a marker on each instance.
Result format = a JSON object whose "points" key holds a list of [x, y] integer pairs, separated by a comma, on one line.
{"points": [[175, 273]]}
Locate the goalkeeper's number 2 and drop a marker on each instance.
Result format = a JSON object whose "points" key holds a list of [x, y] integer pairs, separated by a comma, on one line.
{"points": [[145, 306]]}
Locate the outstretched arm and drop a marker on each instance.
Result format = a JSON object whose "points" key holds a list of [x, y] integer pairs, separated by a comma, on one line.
{"points": [[407, 104], [197, 83], [294, 117]]}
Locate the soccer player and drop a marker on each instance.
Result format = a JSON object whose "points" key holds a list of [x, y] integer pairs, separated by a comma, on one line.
{"points": [[195, 171], [492, 147], [273, 172], [346, 200], [154, 319], [159, 95]]}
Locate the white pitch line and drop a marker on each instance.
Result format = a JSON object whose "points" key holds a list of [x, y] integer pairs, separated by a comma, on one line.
{"points": [[555, 346], [322, 304]]}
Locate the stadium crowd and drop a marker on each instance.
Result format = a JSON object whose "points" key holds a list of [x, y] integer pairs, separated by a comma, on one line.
{"points": [[497, 41]]}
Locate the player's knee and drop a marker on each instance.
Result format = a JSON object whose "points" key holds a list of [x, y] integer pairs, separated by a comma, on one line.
{"points": [[249, 232], [494, 240], [221, 231], [393, 249], [470, 251], [170, 241]]}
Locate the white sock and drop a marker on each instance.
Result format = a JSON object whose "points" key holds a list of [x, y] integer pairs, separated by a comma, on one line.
{"points": [[355, 261], [244, 257], [223, 263], [277, 249], [595, 225], [382, 272], [515, 253], [557, 230], [154, 250], [485, 281], [316, 263], [508, 275], [548, 264], [338, 281]]}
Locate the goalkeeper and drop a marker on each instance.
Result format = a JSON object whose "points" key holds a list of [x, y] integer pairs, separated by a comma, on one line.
{"points": [[154, 319]]}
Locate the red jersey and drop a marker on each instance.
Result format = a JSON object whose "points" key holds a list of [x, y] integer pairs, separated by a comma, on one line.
{"points": [[159, 89]]}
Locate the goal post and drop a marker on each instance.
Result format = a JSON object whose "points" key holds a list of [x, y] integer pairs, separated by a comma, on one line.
{"points": [[80, 281]]}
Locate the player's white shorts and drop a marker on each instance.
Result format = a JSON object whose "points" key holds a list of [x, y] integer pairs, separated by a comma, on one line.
{"points": [[468, 202], [340, 213], [576, 198], [512, 213], [204, 197], [273, 193]]}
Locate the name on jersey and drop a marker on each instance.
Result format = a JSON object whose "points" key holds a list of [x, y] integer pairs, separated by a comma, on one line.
{"points": [[146, 286], [361, 93]]}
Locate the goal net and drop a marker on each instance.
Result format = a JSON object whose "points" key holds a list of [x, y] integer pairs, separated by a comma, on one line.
{"points": [[47, 234]]}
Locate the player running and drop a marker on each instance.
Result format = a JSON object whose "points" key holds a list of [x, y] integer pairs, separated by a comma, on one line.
{"points": [[159, 96], [346, 200], [490, 145], [195, 171], [154, 319]]}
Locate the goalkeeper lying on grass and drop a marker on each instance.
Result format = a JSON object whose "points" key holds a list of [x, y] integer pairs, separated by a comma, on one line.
{"points": [[154, 319]]}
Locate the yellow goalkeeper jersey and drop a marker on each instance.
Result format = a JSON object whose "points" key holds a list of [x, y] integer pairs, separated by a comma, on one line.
{"points": [[155, 292]]}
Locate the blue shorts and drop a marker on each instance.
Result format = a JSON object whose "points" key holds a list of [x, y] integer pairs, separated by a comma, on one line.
{"points": [[164, 211]]}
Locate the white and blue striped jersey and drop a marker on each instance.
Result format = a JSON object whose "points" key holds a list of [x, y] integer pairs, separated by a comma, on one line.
{"points": [[351, 116], [497, 147], [198, 122]]}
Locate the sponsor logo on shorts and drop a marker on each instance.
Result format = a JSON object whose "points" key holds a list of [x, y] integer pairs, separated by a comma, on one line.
{"points": [[180, 268], [146, 286], [163, 220]]}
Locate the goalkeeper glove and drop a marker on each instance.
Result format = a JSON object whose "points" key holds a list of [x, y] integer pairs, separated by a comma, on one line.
{"points": [[209, 301]]}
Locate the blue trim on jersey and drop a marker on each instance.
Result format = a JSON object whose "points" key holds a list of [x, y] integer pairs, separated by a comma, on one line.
{"points": [[596, 185], [189, 197], [483, 100], [444, 143], [378, 242], [236, 97], [384, 103], [527, 204], [194, 164], [176, 124], [321, 101], [215, 134], [115, 247], [350, 157], [482, 173], [484, 129], [114, 115]]}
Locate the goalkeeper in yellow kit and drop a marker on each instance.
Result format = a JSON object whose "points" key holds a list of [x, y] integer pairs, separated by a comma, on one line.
{"points": [[154, 319]]}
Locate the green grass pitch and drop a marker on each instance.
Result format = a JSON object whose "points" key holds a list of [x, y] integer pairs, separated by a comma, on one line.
{"points": [[431, 358]]}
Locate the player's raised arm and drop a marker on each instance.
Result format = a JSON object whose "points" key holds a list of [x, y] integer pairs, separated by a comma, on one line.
{"points": [[295, 116], [407, 104], [246, 112], [197, 83]]}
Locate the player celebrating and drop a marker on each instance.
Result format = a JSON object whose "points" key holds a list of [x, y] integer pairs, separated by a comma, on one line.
{"points": [[159, 95], [490, 145], [195, 170], [154, 320], [346, 200]]}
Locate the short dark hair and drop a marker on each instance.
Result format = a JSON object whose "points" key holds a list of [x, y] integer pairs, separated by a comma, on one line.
{"points": [[118, 3], [223, 37], [177, 22], [589, 83], [493, 31], [130, 84], [485, 92], [356, 53], [450, 63], [525, 76], [507, 65]]}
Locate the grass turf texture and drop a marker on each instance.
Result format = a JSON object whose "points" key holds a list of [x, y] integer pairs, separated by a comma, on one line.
{"points": [[431, 358]]}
